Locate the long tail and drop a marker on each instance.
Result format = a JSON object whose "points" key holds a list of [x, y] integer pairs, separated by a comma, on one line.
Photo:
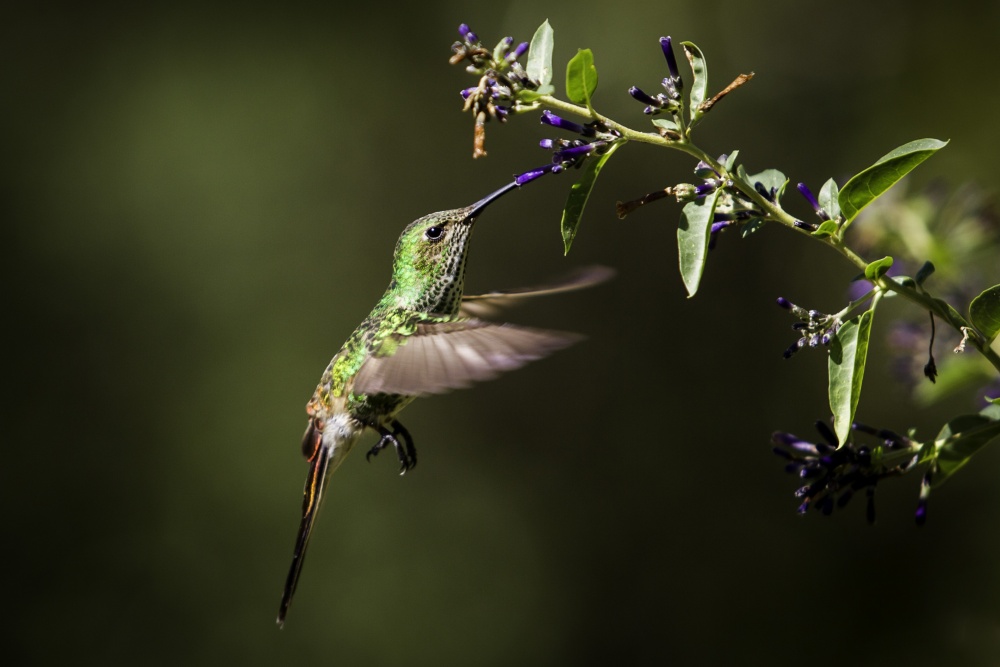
{"points": [[319, 463]]}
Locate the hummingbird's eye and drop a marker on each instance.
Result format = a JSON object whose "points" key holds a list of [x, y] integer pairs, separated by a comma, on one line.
{"points": [[434, 233]]}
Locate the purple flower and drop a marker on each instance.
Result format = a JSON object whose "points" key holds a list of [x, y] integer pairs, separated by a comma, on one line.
{"points": [[815, 328], [807, 193], [517, 52], [549, 118], [501, 81], [531, 175], [596, 139], [835, 473], [668, 53], [467, 35], [669, 100]]}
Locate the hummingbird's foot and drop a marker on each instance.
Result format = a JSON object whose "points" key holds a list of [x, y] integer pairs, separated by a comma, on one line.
{"points": [[405, 450]]}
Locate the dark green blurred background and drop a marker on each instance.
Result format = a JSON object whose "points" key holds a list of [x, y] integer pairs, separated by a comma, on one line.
{"points": [[199, 204]]}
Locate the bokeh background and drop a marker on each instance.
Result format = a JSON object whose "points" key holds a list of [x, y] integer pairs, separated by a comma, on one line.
{"points": [[199, 203]]}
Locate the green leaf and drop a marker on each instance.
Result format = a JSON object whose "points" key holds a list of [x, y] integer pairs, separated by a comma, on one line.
{"points": [[826, 228], [877, 269], [924, 273], [539, 66], [984, 312], [863, 188], [666, 124], [693, 238], [828, 199], [581, 77], [579, 193], [699, 69], [964, 436], [731, 160], [848, 353]]}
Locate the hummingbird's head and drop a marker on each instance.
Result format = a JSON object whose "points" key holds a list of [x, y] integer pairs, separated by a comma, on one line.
{"points": [[429, 266]]}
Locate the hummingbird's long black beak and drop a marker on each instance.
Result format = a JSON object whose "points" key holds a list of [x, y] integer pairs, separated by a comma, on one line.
{"points": [[478, 207]]}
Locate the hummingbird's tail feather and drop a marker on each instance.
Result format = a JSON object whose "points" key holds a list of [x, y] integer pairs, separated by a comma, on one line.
{"points": [[319, 457]]}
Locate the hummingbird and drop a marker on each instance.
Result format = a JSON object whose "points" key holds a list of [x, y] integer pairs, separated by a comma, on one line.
{"points": [[423, 337]]}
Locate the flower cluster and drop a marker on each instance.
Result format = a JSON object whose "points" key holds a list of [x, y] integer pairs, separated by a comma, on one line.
{"points": [[832, 476], [731, 207], [670, 99], [502, 77], [816, 328], [594, 139]]}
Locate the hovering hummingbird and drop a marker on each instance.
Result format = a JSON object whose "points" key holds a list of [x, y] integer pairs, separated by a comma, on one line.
{"points": [[423, 337]]}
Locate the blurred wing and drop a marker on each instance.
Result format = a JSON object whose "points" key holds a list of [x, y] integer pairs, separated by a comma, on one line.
{"points": [[442, 356], [487, 305]]}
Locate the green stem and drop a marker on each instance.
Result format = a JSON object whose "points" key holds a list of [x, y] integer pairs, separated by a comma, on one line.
{"points": [[777, 214]]}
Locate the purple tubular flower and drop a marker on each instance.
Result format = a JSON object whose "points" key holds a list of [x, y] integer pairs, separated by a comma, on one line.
{"points": [[549, 118], [468, 91], [805, 225], [668, 53], [467, 34], [531, 175], [638, 94], [807, 193], [784, 303], [573, 152], [517, 52], [707, 188]]}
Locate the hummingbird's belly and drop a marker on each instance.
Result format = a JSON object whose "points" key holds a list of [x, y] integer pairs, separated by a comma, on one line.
{"points": [[376, 408]]}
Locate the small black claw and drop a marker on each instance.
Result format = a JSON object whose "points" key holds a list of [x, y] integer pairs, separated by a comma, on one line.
{"points": [[399, 432], [378, 447], [404, 450]]}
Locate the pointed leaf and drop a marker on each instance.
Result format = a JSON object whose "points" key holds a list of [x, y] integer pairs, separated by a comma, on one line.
{"points": [[693, 237], [877, 269], [848, 353], [828, 199], [581, 77], [665, 123], [964, 435], [984, 312], [876, 179], [579, 193], [539, 66], [699, 68], [731, 160], [825, 229]]}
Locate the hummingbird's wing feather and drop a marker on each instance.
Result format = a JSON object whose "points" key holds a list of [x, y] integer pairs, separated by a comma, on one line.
{"points": [[319, 463], [441, 356], [487, 305]]}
